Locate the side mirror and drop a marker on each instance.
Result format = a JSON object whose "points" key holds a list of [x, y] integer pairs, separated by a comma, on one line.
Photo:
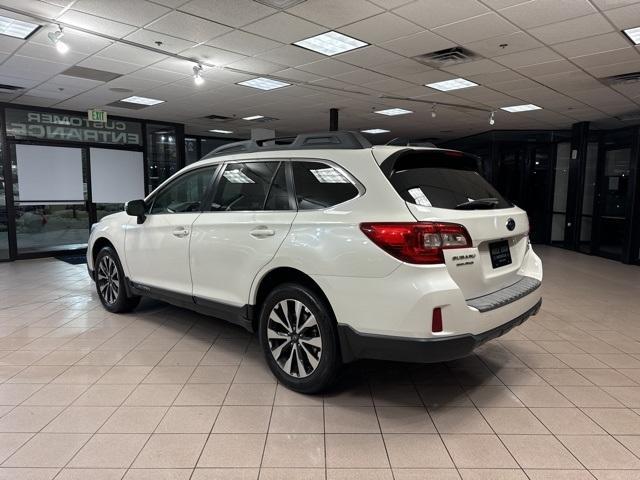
{"points": [[136, 208]]}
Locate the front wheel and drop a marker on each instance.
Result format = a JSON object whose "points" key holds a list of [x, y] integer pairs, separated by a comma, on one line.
{"points": [[299, 338], [110, 283]]}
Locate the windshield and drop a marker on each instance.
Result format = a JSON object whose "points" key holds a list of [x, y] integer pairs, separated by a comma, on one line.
{"points": [[444, 180]]}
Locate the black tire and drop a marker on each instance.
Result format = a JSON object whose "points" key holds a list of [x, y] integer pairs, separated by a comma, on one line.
{"points": [[112, 290], [309, 378]]}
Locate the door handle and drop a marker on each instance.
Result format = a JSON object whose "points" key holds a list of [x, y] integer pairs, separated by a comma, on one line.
{"points": [[181, 232], [262, 232]]}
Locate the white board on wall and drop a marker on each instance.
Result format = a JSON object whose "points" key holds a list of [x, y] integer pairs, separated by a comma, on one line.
{"points": [[49, 174], [117, 176]]}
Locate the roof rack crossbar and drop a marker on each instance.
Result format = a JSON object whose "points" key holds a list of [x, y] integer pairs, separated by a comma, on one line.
{"points": [[346, 140]]}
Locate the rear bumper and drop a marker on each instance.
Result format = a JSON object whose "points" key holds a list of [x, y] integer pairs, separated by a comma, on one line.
{"points": [[356, 345]]}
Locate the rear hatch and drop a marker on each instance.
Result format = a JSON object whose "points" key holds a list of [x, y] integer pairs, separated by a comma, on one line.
{"points": [[445, 186]]}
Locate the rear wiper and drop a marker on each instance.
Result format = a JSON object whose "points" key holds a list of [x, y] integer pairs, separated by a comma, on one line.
{"points": [[478, 203]]}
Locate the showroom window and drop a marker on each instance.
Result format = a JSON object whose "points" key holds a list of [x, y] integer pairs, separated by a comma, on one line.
{"points": [[245, 186], [185, 194], [319, 185], [162, 153]]}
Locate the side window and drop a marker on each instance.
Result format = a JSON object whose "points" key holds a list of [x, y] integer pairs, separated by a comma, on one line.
{"points": [[244, 186], [185, 194], [278, 198], [319, 185]]}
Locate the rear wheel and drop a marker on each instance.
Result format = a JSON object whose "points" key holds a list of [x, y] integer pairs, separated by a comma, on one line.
{"points": [[299, 338], [110, 283]]}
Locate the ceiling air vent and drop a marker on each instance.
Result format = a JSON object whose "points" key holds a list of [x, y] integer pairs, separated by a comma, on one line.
{"points": [[280, 4], [90, 74], [9, 88], [219, 118], [623, 79], [447, 57]]}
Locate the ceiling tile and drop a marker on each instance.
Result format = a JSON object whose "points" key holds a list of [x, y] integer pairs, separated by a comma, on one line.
{"points": [[529, 57], [500, 4], [361, 76], [390, 85], [474, 68], [327, 67], [418, 44], [433, 13], [9, 44], [187, 26], [274, 27], [49, 52], [290, 56], [628, 54], [614, 69], [244, 42], [96, 24], [504, 44], [171, 3], [169, 44], [477, 28], [496, 78], [380, 28], [335, 13], [255, 65], [108, 65], [401, 68], [573, 29], [609, 4], [137, 13], [212, 56], [589, 46], [369, 56], [625, 17], [547, 68], [128, 53], [234, 13], [32, 6], [77, 41], [541, 12], [153, 73], [297, 75]]}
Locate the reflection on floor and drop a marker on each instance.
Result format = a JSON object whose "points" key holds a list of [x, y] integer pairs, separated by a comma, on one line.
{"points": [[168, 394]]}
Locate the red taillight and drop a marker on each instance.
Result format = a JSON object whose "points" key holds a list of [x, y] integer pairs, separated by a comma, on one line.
{"points": [[436, 320], [421, 242]]}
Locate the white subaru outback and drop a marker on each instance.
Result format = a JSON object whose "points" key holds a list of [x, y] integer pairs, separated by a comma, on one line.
{"points": [[329, 248]]}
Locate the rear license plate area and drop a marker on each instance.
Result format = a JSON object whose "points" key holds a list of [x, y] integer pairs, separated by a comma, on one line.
{"points": [[500, 253]]}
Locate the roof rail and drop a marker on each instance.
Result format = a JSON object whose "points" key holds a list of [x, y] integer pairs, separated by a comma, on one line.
{"points": [[326, 140]]}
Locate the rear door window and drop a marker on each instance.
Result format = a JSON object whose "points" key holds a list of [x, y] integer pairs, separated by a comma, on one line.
{"points": [[319, 185], [443, 180], [245, 186]]}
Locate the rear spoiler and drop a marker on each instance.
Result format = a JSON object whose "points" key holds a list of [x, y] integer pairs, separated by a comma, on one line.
{"points": [[413, 158]]}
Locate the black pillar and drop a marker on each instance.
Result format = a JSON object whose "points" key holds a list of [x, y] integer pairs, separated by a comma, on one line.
{"points": [[575, 187], [333, 119]]}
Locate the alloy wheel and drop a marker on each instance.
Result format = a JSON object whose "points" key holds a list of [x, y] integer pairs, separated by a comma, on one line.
{"points": [[108, 279], [294, 338]]}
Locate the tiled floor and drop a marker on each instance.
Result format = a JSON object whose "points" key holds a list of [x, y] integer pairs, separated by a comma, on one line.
{"points": [[164, 393]]}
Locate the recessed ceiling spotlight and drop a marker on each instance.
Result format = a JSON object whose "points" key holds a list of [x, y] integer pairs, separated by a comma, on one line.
{"points": [[633, 34], [262, 83], [454, 84], [17, 28], [433, 111], [492, 118], [197, 74], [375, 131], [142, 100], [331, 43], [56, 39], [253, 117], [392, 112], [215, 130], [521, 108]]}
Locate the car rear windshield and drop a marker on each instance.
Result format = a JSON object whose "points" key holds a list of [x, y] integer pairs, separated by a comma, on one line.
{"points": [[443, 179]]}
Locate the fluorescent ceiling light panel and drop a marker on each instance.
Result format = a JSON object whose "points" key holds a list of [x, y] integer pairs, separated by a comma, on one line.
{"points": [[329, 175], [521, 108], [375, 130], [253, 117], [454, 84], [262, 83], [237, 176], [633, 34], [142, 100], [17, 28], [215, 130], [392, 112], [331, 43]]}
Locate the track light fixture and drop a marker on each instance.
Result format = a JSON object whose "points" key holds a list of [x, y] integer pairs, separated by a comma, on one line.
{"points": [[492, 118], [197, 74], [56, 39], [433, 111]]}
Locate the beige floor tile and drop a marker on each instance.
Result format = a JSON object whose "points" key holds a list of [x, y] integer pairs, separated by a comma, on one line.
{"points": [[109, 451], [28, 419], [15, 394], [352, 395], [28, 473], [540, 396], [608, 377], [167, 374], [292, 474], [254, 373], [616, 474], [82, 374], [91, 473], [445, 395], [182, 358], [294, 450], [395, 395], [567, 421], [416, 451], [404, 420], [142, 357], [188, 419], [134, 420], [600, 452], [519, 376], [285, 419], [539, 451], [589, 396], [124, 374], [213, 374], [233, 450], [493, 396], [478, 451], [355, 450], [234, 419], [202, 394], [56, 395], [360, 474], [171, 451], [38, 374], [47, 450], [542, 360], [493, 474], [513, 421], [425, 473], [10, 442], [225, 474], [251, 394], [75, 419], [158, 474], [459, 420], [563, 376], [561, 475], [629, 396], [104, 395], [347, 419], [153, 395], [616, 421], [284, 396]]}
